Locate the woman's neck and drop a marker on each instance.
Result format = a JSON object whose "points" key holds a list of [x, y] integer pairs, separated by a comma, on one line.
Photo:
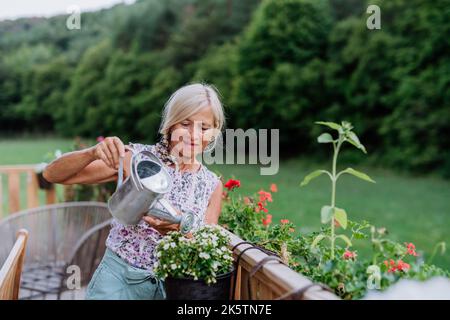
{"points": [[192, 167], [184, 163], [188, 164]]}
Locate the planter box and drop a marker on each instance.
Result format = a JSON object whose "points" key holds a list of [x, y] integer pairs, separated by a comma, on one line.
{"points": [[273, 280], [190, 289]]}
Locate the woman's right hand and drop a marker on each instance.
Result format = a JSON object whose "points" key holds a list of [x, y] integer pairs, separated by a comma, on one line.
{"points": [[163, 227], [109, 150]]}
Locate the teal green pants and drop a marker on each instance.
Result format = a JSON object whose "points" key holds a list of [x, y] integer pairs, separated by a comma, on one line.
{"points": [[115, 279]]}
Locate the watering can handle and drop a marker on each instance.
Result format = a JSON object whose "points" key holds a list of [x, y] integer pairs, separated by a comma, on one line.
{"points": [[120, 173], [134, 154], [121, 169]]}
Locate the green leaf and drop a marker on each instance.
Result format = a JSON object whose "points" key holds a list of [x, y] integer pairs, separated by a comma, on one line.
{"points": [[341, 216], [346, 125], [312, 176], [332, 125], [317, 239], [326, 213], [359, 235], [358, 174], [354, 140], [325, 138], [346, 239]]}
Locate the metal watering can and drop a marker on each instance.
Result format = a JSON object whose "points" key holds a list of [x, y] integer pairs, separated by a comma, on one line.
{"points": [[141, 193]]}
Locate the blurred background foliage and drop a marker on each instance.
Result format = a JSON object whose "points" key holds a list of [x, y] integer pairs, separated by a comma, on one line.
{"points": [[277, 63]]}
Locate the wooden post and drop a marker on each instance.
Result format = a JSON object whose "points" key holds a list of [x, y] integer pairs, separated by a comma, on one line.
{"points": [[32, 190], [14, 191], [237, 291], [50, 195]]}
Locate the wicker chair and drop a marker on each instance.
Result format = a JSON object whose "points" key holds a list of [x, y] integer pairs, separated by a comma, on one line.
{"points": [[11, 270], [60, 235]]}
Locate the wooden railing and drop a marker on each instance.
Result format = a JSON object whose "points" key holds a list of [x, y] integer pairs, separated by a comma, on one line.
{"points": [[13, 174], [273, 280]]}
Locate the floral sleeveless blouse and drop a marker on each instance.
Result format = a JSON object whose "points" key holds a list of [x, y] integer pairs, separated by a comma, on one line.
{"points": [[190, 191]]}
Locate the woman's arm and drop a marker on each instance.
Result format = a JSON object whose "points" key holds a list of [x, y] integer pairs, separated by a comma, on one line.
{"points": [[96, 164], [215, 205]]}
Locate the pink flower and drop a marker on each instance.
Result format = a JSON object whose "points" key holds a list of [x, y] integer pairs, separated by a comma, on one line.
{"points": [[349, 255], [390, 265], [284, 221], [100, 138], [411, 249], [402, 266], [273, 187], [264, 196]]}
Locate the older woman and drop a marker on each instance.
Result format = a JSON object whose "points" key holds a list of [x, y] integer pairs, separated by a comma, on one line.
{"points": [[192, 119]]}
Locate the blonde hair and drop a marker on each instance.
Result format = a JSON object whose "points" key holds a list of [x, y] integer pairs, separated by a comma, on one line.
{"points": [[187, 101]]}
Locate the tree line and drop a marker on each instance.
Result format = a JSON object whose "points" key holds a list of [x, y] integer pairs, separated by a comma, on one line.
{"points": [[277, 64]]}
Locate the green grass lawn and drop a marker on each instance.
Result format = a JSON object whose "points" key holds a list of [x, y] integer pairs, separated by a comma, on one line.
{"points": [[413, 209]]}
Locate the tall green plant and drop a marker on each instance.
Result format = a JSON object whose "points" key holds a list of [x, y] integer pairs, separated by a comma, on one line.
{"points": [[331, 213]]}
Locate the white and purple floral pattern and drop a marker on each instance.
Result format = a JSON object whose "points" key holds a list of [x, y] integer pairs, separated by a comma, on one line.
{"points": [[191, 191]]}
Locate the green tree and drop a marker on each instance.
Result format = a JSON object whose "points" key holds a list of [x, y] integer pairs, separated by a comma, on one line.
{"points": [[85, 93], [280, 68]]}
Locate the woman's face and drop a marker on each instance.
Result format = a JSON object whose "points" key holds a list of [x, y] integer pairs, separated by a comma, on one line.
{"points": [[191, 136]]}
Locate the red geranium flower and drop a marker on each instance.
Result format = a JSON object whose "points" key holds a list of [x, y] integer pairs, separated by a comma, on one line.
{"points": [[261, 207], [268, 220], [399, 266], [231, 184], [349, 255], [284, 221]]}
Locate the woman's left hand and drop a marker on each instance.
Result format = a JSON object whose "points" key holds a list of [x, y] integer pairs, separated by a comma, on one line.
{"points": [[161, 226]]}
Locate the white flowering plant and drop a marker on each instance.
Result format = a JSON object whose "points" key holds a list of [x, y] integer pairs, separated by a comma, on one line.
{"points": [[204, 256]]}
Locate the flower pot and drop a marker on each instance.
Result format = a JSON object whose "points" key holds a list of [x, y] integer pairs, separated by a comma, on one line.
{"points": [[190, 289], [43, 184]]}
